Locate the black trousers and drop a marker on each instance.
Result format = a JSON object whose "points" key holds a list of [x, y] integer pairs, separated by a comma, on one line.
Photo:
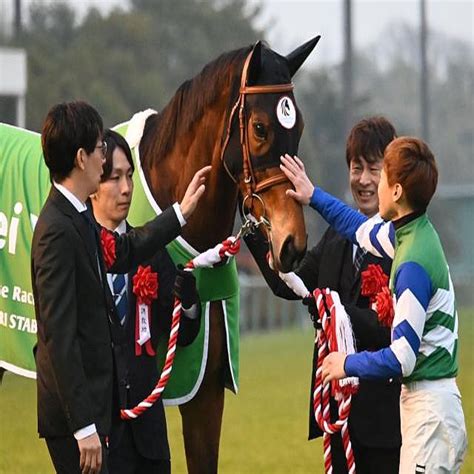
{"points": [[126, 459], [368, 460], [65, 455]]}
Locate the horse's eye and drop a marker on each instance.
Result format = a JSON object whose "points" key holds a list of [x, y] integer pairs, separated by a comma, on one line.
{"points": [[260, 130]]}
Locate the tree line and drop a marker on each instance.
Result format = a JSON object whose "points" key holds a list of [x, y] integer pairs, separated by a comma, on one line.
{"points": [[135, 58]]}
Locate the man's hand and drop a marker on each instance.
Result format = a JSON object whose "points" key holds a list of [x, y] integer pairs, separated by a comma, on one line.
{"points": [[333, 367], [310, 303], [185, 287], [90, 450], [294, 170], [194, 191]]}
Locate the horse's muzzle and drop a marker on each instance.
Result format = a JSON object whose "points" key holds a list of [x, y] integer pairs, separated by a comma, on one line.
{"points": [[290, 256]]}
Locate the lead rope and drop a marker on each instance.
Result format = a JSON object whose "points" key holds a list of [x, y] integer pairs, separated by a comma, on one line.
{"points": [[228, 248], [326, 341]]}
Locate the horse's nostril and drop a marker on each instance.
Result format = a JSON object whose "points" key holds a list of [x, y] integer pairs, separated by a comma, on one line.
{"points": [[289, 255]]}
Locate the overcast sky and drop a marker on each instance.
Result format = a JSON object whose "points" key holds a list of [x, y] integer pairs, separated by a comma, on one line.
{"points": [[291, 22]]}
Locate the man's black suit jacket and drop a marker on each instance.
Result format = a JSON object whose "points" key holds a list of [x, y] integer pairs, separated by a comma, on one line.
{"points": [[375, 414], [141, 372], [75, 314]]}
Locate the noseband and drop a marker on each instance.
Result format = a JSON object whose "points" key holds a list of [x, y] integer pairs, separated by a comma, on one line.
{"points": [[252, 186]]}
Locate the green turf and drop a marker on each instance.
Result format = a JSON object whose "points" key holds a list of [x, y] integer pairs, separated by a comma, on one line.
{"points": [[265, 426]]}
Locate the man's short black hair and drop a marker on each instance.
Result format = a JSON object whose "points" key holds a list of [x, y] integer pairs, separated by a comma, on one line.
{"points": [[368, 139], [114, 140], [68, 127]]}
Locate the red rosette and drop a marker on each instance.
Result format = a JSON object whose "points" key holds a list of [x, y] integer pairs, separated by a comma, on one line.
{"points": [[373, 280], [107, 240], [145, 288], [145, 284], [384, 305]]}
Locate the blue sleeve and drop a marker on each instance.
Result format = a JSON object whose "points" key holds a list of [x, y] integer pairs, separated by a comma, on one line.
{"points": [[343, 218], [381, 364], [374, 235]]}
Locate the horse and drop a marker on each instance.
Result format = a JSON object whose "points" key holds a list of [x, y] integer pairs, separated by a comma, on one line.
{"points": [[239, 115]]}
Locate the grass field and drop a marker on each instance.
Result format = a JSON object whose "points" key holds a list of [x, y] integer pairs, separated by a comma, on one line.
{"points": [[265, 426]]}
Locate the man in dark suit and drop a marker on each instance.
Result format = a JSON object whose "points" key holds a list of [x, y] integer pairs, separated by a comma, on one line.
{"points": [[140, 446], [76, 368], [374, 422]]}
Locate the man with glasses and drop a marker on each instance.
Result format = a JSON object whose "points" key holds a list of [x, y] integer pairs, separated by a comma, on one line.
{"points": [[73, 304], [103, 147]]}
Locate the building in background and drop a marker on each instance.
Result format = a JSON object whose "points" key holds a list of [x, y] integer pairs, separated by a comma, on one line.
{"points": [[13, 85]]}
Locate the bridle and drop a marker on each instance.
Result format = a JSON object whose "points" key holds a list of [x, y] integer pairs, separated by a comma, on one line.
{"points": [[252, 186]]}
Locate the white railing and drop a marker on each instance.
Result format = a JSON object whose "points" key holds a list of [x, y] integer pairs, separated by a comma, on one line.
{"points": [[261, 310]]}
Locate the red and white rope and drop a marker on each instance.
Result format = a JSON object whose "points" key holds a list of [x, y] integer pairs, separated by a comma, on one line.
{"points": [[327, 342], [213, 256]]}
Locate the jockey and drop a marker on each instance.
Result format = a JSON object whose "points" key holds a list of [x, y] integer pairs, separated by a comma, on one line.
{"points": [[423, 352]]}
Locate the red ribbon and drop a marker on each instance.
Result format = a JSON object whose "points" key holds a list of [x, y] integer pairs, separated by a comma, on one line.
{"points": [[107, 241], [385, 310], [375, 286], [373, 280], [145, 288]]}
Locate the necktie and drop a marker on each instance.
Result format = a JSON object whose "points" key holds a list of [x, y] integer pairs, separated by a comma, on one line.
{"points": [[120, 296], [358, 259]]}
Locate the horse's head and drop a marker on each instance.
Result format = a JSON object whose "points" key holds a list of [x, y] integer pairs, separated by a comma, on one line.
{"points": [[265, 123]]}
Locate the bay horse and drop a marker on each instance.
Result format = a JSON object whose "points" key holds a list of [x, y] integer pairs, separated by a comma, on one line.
{"points": [[238, 114]]}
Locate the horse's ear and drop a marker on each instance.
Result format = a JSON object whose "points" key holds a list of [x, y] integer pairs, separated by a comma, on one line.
{"points": [[299, 55], [255, 64]]}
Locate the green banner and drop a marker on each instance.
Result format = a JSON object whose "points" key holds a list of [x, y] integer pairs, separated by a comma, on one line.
{"points": [[24, 186]]}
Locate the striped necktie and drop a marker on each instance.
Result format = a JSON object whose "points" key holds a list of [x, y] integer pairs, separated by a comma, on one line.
{"points": [[358, 259], [120, 296]]}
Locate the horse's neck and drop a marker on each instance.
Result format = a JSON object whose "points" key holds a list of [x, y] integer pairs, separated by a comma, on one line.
{"points": [[213, 219]]}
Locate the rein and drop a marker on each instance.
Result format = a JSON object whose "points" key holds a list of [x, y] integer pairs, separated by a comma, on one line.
{"points": [[253, 188]]}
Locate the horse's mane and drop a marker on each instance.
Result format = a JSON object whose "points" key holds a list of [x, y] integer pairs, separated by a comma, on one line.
{"points": [[189, 103]]}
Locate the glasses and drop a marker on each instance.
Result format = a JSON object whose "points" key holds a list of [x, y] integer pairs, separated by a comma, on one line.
{"points": [[103, 147]]}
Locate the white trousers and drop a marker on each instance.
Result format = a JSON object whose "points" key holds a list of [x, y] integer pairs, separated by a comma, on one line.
{"points": [[434, 439]]}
